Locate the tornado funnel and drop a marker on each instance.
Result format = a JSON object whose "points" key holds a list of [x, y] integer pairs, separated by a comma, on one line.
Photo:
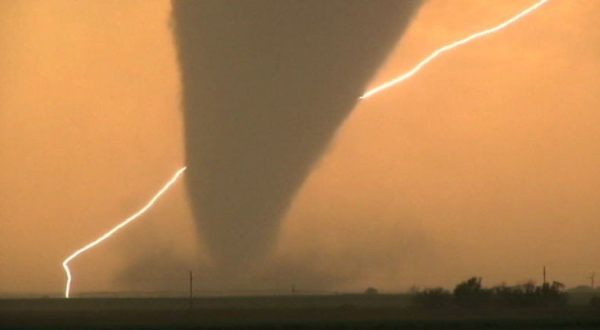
{"points": [[266, 83]]}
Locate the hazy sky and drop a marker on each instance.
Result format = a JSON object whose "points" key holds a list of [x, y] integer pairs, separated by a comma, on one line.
{"points": [[483, 164]]}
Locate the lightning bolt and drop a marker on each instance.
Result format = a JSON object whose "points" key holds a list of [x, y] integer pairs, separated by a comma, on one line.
{"points": [[367, 94], [116, 228], [451, 46]]}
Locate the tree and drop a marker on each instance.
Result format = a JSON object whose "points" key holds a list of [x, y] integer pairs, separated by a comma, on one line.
{"points": [[471, 294]]}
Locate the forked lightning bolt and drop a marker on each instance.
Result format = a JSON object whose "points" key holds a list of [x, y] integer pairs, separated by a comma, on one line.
{"points": [[449, 47], [124, 223]]}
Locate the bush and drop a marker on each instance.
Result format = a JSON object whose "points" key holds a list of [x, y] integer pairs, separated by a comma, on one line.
{"points": [[552, 295], [371, 291], [529, 295], [432, 298], [471, 294], [511, 296]]}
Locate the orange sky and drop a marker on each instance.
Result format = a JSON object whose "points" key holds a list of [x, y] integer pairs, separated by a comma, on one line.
{"points": [[483, 164]]}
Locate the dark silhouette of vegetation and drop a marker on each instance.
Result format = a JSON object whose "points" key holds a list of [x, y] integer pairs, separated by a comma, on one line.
{"points": [[530, 295], [371, 291], [432, 298], [471, 294]]}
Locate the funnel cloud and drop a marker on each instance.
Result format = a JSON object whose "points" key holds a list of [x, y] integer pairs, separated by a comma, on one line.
{"points": [[265, 85]]}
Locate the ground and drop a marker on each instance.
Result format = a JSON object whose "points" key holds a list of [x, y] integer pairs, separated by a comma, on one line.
{"points": [[276, 312]]}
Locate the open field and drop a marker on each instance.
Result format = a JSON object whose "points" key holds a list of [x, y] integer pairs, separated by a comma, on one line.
{"points": [[278, 312]]}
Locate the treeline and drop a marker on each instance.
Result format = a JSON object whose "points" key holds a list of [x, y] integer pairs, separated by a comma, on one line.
{"points": [[471, 294]]}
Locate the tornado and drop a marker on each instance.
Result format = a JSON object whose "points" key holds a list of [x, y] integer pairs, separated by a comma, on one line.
{"points": [[265, 85]]}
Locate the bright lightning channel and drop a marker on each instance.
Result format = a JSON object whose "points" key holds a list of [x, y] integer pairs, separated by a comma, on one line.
{"points": [[121, 225], [451, 46], [367, 94]]}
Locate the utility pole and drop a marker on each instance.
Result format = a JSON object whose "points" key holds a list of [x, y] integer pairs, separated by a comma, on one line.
{"points": [[191, 290], [544, 275]]}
